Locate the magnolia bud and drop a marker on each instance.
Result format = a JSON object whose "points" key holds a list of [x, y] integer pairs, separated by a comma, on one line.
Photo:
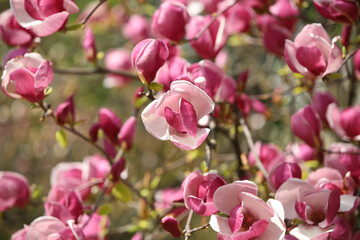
{"points": [[65, 112], [127, 132], [147, 57], [171, 225], [89, 45]]}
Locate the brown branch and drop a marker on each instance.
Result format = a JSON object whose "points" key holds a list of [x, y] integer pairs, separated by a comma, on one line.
{"points": [[98, 70], [349, 56], [199, 228], [187, 231], [92, 12]]}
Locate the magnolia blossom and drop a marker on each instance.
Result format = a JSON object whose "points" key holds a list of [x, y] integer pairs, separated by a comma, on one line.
{"points": [[12, 33], [174, 115], [249, 216], [136, 29], [282, 172], [147, 57], [89, 45], [96, 228], [173, 68], [306, 125], [169, 21], [302, 201], [27, 77], [199, 190], [43, 17], [342, 11], [238, 17], [48, 227], [15, 190], [345, 123], [65, 112], [212, 40], [313, 54], [269, 155], [320, 103], [127, 132]]}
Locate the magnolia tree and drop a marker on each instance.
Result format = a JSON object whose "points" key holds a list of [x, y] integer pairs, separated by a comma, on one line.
{"points": [[260, 149]]}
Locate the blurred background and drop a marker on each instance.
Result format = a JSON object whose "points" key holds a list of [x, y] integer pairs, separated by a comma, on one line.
{"points": [[28, 145]]}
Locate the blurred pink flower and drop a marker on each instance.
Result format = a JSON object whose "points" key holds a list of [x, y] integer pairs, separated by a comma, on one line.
{"points": [[65, 112], [342, 11], [282, 172], [15, 190], [116, 60], [89, 45], [136, 29], [174, 67], [269, 154], [127, 133], [320, 103], [174, 115]]}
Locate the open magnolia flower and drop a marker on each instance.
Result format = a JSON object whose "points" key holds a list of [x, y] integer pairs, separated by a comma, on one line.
{"points": [[175, 114], [313, 54], [249, 216]]}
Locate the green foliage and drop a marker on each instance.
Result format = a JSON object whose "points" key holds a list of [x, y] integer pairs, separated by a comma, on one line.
{"points": [[122, 193], [61, 138]]}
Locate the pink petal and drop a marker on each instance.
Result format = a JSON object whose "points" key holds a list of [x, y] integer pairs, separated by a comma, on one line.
{"points": [[157, 126], [333, 115], [220, 224], [236, 218], [291, 60], [50, 7], [41, 227], [188, 117], [311, 58], [50, 24], [300, 208], [304, 37], [24, 84], [188, 142], [174, 119], [43, 76], [70, 6], [288, 193], [332, 208], [256, 230], [15, 36], [201, 208], [21, 14], [334, 59], [226, 197], [348, 203]]}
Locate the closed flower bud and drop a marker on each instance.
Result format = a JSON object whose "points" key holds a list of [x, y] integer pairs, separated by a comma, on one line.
{"points": [[117, 168], [282, 172], [89, 45], [342, 11], [147, 57], [169, 21], [127, 132], [171, 225], [93, 132], [320, 103], [110, 123], [65, 112], [306, 125]]}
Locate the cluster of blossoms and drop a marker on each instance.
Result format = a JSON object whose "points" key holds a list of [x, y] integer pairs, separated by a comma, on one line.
{"points": [[185, 103]]}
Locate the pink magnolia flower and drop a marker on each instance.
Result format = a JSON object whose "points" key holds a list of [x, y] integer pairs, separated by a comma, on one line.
{"points": [[12, 33], [226, 90], [115, 60], [136, 29], [211, 76], [48, 227], [331, 178], [166, 197], [174, 67], [347, 160], [306, 125], [175, 114], [110, 123], [238, 17], [147, 57], [97, 227], [269, 154], [282, 172], [89, 45], [249, 216], [199, 191], [209, 44], [117, 168], [78, 175], [20, 234], [13, 54], [300, 152], [302, 201], [15, 190], [320, 103], [345, 123], [342, 11], [169, 21], [284, 9], [313, 54], [27, 77], [43, 17], [65, 112], [63, 204], [211, 6], [127, 132], [171, 225]]}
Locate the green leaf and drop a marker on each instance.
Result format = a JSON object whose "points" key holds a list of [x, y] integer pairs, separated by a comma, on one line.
{"points": [[48, 91], [61, 137], [155, 182], [105, 209], [332, 76], [140, 101], [312, 164], [74, 27], [35, 191], [122, 193], [156, 86], [203, 166]]}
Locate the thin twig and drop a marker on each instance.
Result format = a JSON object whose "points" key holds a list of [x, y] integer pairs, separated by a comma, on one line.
{"points": [[199, 228], [92, 12], [252, 148], [129, 185], [212, 21], [98, 70], [187, 230], [349, 56]]}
